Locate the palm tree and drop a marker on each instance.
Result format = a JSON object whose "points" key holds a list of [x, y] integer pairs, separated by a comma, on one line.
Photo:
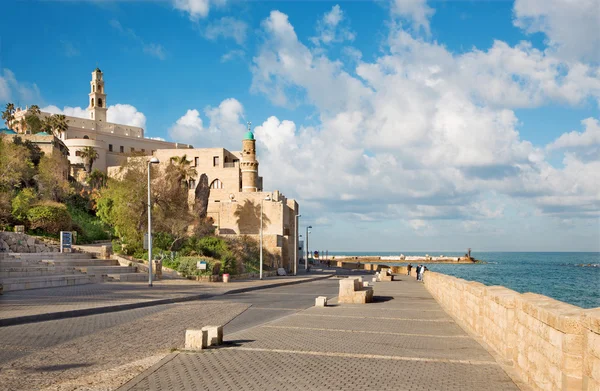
{"points": [[23, 125], [183, 169], [48, 125], [60, 123], [34, 109], [89, 156], [8, 115]]}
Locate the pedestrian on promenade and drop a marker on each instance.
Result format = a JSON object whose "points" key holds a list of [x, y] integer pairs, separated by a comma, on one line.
{"points": [[421, 271], [409, 268], [417, 271]]}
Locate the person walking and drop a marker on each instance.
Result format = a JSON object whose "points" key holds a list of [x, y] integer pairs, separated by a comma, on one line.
{"points": [[418, 271], [409, 268], [421, 271]]}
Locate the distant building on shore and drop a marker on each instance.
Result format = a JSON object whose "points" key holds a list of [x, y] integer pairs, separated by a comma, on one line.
{"points": [[113, 142]]}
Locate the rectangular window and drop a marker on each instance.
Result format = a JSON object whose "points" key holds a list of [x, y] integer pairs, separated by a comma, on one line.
{"points": [[196, 161], [77, 153], [215, 161], [122, 149], [110, 147], [132, 149]]}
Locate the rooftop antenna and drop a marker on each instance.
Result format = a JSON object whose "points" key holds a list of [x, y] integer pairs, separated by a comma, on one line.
{"points": [[249, 126]]}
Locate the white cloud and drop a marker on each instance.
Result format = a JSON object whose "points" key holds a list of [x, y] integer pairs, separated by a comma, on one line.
{"points": [[227, 27], [589, 137], [420, 132], [225, 128], [572, 27], [331, 28], [18, 92], [232, 54], [70, 49], [152, 49], [197, 9], [123, 114], [417, 12]]}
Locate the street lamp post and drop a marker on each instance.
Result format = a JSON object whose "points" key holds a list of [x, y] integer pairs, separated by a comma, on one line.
{"points": [[268, 198], [306, 260], [154, 160], [296, 246]]}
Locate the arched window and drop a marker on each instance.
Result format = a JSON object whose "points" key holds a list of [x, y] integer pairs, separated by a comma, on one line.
{"points": [[99, 88], [92, 102], [93, 88], [99, 102], [86, 137], [216, 184]]}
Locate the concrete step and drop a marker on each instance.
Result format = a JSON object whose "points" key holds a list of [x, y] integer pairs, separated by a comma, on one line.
{"points": [[128, 277], [35, 271], [57, 256], [95, 270], [82, 262], [23, 283]]}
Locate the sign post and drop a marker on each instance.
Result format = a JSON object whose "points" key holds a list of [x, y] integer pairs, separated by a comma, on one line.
{"points": [[66, 240]]}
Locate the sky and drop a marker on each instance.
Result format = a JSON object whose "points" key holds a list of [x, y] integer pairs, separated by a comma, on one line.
{"points": [[403, 125]]}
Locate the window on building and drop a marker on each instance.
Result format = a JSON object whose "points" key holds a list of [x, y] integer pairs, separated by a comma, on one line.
{"points": [[99, 88], [192, 184], [110, 148], [77, 153], [196, 161], [215, 161], [216, 184], [93, 88], [86, 137], [121, 149], [92, 102], [99, 102], [132, 149]]}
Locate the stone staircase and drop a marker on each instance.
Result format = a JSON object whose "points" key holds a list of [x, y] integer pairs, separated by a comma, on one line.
{"points": [[21, 271]]}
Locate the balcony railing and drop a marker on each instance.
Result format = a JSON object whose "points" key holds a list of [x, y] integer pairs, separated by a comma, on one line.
{"points": [[229, 165]]}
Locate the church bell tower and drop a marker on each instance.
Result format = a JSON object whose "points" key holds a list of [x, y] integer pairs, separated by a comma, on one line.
{"points": [[249, 164], [97, 107]]}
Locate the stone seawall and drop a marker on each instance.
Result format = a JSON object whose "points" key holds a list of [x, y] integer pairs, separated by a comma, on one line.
{"points": [[552, 345]]}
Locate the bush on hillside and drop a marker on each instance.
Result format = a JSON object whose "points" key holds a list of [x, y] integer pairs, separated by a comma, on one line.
{"points": [[49, 217], [89, 227], [212, 246], [22, 203]]}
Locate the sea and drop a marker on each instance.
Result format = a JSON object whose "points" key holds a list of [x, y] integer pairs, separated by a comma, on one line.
{"points": [[573, 278]]}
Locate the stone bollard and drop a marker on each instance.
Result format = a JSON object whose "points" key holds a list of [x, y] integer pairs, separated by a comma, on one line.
{"points": [[214, 335], [196, 339], [321, 301], [365, 284], [158, 269]]}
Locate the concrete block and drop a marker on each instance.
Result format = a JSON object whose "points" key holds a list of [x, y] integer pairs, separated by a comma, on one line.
{"points": [[321, 301], [346, 287], [365, 284], [214, 335], [196, 339]]}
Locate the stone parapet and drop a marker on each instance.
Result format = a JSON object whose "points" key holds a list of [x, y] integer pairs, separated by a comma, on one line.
{"points": [[552, 345]]}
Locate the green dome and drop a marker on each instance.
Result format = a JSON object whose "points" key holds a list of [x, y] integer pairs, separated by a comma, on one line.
{"points": [[7, 131], [249, 136], [42, 134]]}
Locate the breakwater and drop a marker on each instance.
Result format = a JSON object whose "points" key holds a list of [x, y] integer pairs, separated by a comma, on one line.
{"points": [[552, 345]]}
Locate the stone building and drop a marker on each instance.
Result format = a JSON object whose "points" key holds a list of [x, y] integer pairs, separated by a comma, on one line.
{"points": [[237, 197], [113, 142]]}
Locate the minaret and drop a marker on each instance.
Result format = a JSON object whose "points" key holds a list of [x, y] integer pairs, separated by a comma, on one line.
{"points": [[249, 165], [97, 107]]}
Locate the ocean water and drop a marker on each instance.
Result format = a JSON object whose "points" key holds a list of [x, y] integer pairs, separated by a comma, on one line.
{"points": [[557, 275]]}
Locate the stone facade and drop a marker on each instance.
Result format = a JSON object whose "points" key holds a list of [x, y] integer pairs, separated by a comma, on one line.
{"points": [[552, 345], [12, 242]]}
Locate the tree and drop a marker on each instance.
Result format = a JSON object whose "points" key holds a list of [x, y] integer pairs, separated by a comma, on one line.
{"points": [[35, 109], [16, 168], [89, 156], [47, 125], [8, 115], [182, 169], [51, 180], [34, 123], [59, 124], [97, 179]]}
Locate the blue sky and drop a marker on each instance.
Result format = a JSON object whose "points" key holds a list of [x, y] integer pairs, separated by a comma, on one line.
{"points": [[486, 76]]}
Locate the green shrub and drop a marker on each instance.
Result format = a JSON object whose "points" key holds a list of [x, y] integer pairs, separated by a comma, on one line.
{"points": [[188, 265], [212, 246], [89, 227], [49, 217], [22, 203]]}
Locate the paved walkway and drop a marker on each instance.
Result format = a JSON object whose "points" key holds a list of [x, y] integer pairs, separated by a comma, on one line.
{"points": [[20, 307], [403, 341]]}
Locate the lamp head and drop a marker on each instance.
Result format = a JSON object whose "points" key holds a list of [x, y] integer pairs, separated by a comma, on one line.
{"points": [[154, 160], [310, 226]]}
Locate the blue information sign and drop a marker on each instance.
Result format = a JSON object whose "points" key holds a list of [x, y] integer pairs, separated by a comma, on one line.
{"points": [[66, 239]]}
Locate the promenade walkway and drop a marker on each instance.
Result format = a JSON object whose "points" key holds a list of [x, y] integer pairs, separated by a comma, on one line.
{"points": [[403, 341], [34, 305]]}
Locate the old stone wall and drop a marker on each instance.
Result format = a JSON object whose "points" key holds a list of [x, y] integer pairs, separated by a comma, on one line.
{"points": [[552, 345], [11, 242]]}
